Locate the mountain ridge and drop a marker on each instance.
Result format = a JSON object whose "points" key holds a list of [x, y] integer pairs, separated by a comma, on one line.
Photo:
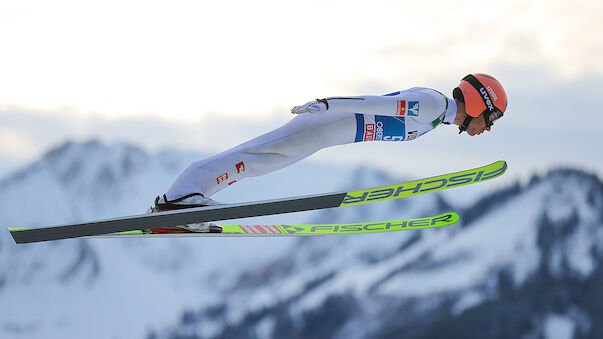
{"points": [[510, 243], [564, 253]]}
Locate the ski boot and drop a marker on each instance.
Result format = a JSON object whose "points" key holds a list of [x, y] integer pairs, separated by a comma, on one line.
{"points": [[188, 201]]}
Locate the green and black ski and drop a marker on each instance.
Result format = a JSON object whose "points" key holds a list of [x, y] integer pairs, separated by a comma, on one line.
{"points": [[259, 208], [294, 230]]}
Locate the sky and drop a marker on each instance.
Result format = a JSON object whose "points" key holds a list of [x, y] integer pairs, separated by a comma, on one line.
{"points": [[206, 76]]}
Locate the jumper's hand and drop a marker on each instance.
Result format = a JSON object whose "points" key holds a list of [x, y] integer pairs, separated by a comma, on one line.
{"points": [[317, 106]]}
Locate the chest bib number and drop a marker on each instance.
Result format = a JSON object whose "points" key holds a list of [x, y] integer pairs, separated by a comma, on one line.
{"points": [[381, 128]]}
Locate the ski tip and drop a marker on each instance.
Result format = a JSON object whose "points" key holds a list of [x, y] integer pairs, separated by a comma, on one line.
{"points": [[503, 166], [494, 170], [445, 219], [453, 217]]}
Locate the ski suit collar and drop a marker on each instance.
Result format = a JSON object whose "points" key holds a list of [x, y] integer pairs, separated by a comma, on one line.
{"points": [[450, 113]]}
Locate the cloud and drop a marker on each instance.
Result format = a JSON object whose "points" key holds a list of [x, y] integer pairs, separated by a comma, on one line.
{"points": [[188, 59], [209, 76]]}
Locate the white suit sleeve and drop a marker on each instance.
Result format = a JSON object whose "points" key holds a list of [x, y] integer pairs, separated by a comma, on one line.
{"points": [[421, 104]]}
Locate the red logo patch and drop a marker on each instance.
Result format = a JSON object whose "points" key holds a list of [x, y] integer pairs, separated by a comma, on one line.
{"points": [[401, 110], [222, 178], [240, 167], [369, 132]]}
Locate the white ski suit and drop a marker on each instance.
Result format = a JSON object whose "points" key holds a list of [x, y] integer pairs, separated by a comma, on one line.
{"points": [[398, 116]]}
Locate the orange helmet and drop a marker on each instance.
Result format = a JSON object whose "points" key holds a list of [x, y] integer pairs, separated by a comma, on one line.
{"points": [[482, 94]]}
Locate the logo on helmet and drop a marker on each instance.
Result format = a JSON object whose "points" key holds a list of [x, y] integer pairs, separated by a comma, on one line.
{"points": [[492, 94], [487, 99]]}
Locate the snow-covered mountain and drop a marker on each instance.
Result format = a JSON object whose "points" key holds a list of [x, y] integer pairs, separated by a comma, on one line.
{"points": [[525, 261], [122, 288]]}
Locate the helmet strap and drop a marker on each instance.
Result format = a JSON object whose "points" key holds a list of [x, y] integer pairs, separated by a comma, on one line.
{"points": [[465, 124]]}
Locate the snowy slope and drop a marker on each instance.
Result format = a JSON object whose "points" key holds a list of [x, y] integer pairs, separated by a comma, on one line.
{"points": [[68, 288], [527, 265], [524, 245]]}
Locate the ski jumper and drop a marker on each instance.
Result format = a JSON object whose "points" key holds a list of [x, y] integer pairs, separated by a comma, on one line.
{"points": [[398, 116]]}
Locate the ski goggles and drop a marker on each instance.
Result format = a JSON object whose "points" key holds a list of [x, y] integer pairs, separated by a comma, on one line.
{"points": [[491, 117]]}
